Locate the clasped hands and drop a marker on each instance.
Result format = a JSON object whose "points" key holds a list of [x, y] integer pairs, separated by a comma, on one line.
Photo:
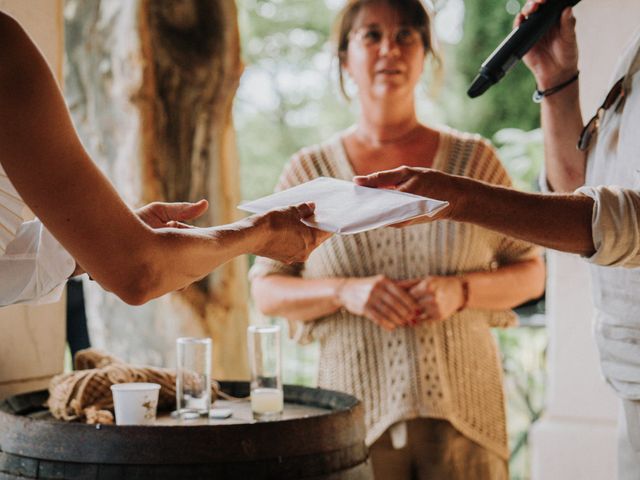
{"points": [[392, 304]]}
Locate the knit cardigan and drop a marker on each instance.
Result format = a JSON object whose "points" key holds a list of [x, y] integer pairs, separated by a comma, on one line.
{"points": [[447, 370]]}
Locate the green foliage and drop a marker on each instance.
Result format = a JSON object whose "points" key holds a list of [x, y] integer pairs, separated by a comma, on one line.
{"points": [[523, 353], [286, 49], [507, 104]]}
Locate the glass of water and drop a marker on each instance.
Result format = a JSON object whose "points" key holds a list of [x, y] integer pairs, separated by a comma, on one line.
{"points": [[267, 400], [193, 379]]}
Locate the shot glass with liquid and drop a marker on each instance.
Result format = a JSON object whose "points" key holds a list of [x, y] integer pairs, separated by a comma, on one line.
{"points": [[265, 359]]}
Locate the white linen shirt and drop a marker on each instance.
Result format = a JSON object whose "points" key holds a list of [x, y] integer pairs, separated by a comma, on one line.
{"points": [[34, 268], [613, 181]]}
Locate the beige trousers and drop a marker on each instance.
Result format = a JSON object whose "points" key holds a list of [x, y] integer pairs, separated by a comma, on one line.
{"points": [[435, 450]]}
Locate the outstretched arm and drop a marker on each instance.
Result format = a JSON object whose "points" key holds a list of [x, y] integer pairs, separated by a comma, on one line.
{"points": [[44, 159], [35, 267], [559, 221]]}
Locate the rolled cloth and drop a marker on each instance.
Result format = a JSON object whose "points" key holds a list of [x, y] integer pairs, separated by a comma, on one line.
{"points": [[85, 393]]}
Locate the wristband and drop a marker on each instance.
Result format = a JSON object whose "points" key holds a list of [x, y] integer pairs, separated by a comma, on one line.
{"points": [[539, 95]]}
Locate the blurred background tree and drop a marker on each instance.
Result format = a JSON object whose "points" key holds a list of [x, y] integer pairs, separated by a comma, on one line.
{"points": [[506, 105], [286, 99]]}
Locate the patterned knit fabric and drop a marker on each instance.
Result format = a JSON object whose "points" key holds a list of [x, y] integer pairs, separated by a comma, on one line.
{"points": [[449, 370]]}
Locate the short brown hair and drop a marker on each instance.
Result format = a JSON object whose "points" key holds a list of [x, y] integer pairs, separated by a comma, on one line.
{"points": [[413, 13]]}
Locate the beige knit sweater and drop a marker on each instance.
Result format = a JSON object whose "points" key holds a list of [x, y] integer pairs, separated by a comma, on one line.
{"points": [[449, 370]]}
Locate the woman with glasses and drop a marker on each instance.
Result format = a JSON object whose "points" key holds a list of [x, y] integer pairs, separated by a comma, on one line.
{"points": [[137, 255], [403, 316], [600, 221]]}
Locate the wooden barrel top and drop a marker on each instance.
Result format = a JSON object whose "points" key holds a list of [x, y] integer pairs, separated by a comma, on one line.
{"points": [[314, 421]]}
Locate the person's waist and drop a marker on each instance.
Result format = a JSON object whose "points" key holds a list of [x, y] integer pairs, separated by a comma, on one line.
{"points": [[616, 296]]}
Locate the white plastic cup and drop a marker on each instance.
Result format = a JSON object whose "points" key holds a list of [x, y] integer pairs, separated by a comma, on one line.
{"points": [[135, 403]]}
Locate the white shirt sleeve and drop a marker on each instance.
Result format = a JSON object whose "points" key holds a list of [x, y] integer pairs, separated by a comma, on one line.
{"points": [[35, 267], [616, 225]]}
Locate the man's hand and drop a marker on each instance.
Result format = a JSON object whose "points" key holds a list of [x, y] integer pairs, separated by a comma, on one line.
{"points": [[554, 59], [284, 237], [425, 182]]}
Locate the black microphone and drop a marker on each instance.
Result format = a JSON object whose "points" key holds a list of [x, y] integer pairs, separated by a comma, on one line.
{"points": [[517, 44]]}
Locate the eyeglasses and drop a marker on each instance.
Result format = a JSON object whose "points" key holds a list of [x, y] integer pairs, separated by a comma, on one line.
{"points": [[591, 128], [372, 36]]}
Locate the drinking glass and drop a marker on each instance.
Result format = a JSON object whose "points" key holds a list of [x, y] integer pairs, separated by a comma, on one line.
{"points": [[193, 379], [267, 399]]}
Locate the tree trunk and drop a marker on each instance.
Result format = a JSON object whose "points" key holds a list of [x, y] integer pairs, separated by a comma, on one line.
{"points": [[151, 86]]}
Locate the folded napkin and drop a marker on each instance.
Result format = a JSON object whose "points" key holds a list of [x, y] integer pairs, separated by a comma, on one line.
{"points": [[346, 208]]}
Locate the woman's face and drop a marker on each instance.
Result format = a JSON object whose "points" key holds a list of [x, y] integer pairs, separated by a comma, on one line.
{"points": [[385, 58]]}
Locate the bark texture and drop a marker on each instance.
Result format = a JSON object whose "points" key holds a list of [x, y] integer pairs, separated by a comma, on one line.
{"points": [[151, 86]]}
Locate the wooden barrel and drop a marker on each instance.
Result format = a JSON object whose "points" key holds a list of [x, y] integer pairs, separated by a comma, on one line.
{"points": [[321, 436]]}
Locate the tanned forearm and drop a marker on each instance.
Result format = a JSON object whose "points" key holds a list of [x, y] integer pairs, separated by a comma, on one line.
{"points": [[168, 259], [560, 222], [47, 164]]}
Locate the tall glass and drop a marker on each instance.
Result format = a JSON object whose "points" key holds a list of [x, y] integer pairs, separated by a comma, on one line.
{"points": [[265, 359], [193, 379]]}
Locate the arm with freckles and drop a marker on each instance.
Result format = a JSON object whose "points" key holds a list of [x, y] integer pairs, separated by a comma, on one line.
{"points": [[48, 166]]}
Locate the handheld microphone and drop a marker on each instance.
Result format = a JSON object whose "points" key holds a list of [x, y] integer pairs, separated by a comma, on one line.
{"points": [[517, 44]]}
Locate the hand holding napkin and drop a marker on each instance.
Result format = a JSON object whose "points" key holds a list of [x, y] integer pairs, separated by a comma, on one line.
{"points": [[345, 208]]}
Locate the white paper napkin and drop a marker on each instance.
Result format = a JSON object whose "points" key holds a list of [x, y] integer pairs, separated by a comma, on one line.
{"points": [[346, 208]]}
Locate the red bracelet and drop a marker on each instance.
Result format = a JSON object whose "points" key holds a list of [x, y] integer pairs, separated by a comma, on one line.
{"points": [[464, 283]]}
